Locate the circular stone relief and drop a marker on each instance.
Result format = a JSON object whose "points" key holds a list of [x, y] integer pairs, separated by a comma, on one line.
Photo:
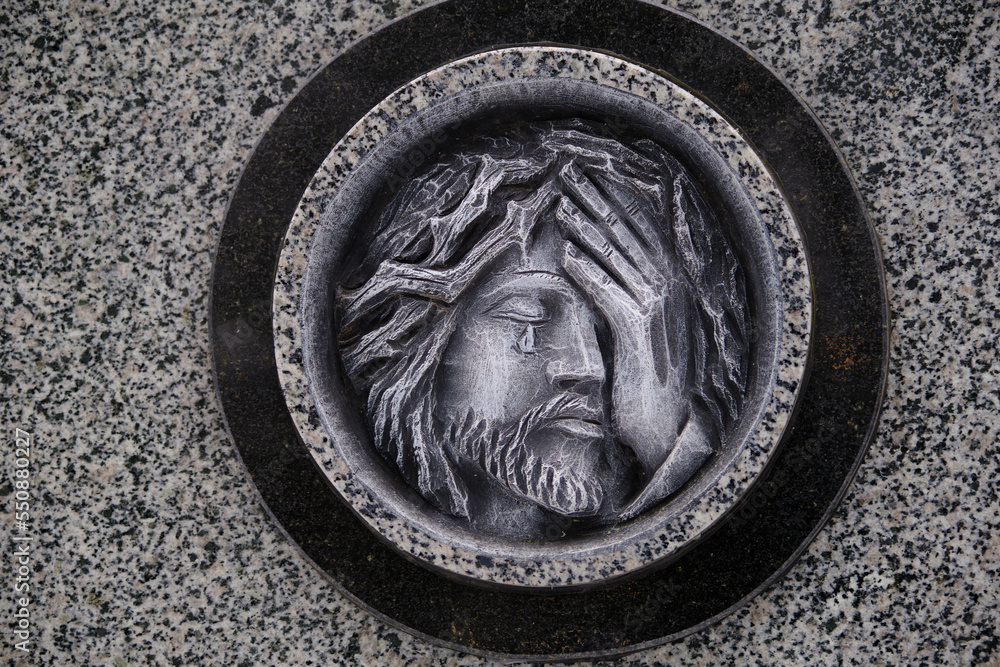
{"points": [[541, 318]]}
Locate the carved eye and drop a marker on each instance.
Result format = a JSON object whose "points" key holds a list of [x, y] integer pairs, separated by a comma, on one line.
{"points": [[523, 311], [526, 343]]}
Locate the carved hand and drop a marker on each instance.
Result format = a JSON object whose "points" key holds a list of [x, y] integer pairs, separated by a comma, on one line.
{"points": [[617, 256]]}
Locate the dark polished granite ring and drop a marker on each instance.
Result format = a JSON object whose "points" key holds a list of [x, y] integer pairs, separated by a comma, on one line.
{"points": [[758, 538]]}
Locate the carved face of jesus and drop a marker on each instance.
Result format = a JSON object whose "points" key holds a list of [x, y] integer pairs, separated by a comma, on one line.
{"points": [[523, 387]]}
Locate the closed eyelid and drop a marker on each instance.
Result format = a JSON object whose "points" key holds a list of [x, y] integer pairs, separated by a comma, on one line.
{"points": [[519, 309]]}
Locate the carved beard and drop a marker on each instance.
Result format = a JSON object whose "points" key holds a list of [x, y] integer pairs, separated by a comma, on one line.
{"points": [[503, 452]]}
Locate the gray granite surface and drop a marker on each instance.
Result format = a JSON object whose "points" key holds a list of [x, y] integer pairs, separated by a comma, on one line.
{"points": [[124, 129]]}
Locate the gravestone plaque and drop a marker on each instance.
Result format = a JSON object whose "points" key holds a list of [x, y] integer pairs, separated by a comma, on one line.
{"points": [[551, 312], [551, 319]]}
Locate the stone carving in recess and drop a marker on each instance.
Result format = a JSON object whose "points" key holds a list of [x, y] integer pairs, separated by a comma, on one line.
{"points": [[547, 320]]}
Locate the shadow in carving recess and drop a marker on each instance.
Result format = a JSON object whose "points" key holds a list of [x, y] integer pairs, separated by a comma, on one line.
{"points": [[545, 323]]}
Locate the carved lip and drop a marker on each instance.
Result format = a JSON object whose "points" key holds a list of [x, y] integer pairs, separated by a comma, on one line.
{"points": [[578, 408], [584, 428]]}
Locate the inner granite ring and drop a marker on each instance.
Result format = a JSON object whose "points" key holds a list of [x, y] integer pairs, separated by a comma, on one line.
{"points": [[541, 318]]}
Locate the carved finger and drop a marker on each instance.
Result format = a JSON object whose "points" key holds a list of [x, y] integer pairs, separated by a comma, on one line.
{"points": [[645, 222], [609, 297], [582, 229], [624, 226]]}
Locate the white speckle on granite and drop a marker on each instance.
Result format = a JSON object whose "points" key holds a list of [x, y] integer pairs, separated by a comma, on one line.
{"points": [[125, 128]]}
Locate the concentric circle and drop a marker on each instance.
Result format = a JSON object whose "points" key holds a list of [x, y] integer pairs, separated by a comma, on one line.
{"points": [[525, 81], [759, 539]]}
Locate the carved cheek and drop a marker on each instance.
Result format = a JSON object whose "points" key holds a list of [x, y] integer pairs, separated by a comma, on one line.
{"points": [[487, 372]]}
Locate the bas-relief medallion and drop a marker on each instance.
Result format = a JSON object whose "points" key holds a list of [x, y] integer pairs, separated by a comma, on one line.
{"points": [[547, 320], [541, 317], [485, 416]]}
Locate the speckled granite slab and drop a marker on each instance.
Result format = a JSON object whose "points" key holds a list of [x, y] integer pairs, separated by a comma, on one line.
{"points": [[125, 130]]}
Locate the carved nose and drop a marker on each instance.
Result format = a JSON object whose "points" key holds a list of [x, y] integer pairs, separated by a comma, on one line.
{"points": [[578, 360]]}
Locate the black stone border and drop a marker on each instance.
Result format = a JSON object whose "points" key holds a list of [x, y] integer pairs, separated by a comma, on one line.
{"points": [[838, 406]]}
